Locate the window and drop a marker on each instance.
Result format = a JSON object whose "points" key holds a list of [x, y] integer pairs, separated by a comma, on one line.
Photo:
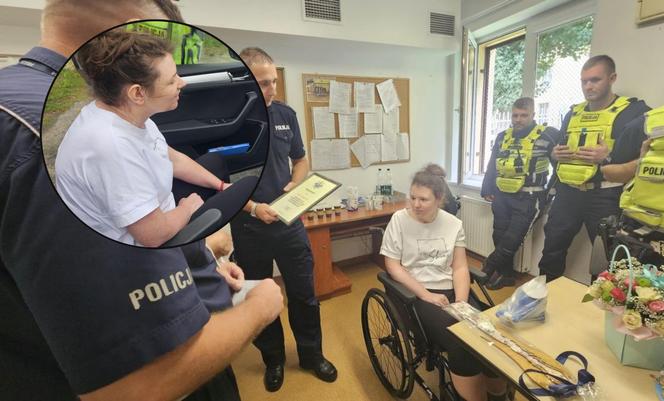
{"points": [[544, 65], [497, 85], [190, 45], [561, 53]]}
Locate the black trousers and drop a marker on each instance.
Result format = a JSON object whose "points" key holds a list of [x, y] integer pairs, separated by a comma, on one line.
{"points": [[256, 246], [222, 387], [570, 209], [512, 216], [229, 201]]}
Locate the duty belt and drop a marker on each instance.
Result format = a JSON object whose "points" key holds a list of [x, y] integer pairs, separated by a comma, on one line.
{"points": [[532, 189], [588, 186]]}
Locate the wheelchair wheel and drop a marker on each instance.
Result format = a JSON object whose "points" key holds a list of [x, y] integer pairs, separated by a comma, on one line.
{"points": [[386, 338]]}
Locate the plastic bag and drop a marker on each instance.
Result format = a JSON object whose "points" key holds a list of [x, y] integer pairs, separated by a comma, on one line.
{"points": [[527, 304]]}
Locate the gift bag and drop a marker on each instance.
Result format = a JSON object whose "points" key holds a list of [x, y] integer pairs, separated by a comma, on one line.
{"points": [[645, 354]]}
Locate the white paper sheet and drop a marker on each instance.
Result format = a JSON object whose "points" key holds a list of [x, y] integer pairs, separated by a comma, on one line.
{"points": [[323, 123], [340, 97], [372, 151], [330, 154], [391, 122], [403, 146], [348, 125], [388, 147], [373, 122], [388, 95], [359, 150], [238, 297], [364, 96]]}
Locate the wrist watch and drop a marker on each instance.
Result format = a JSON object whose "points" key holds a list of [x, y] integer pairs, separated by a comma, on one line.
{"points": [[253, 209], [607, 160]]}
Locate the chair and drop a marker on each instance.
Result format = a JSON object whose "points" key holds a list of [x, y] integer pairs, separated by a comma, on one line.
{"points": [[397, 344]]}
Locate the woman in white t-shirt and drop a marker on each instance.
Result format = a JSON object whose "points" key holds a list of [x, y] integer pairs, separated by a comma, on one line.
{"points": [[425, 250], [114, 169]]}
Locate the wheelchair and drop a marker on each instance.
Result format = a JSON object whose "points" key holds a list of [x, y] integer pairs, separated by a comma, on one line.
{"points": [[621, 230], [397, 344]]}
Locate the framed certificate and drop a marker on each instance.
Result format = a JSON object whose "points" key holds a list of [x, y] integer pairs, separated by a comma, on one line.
{"points": [[298, 200]]}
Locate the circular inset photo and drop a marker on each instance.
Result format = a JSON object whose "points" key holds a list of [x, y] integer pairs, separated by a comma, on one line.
{"points": [[155, 133]]}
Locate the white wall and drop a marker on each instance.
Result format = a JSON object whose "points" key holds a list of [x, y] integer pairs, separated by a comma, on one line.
{"points": [[22, 39], [376, 21], [637, 50]]}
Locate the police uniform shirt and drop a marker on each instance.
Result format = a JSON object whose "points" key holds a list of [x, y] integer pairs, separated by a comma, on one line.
{"points": [[545, 143], [635, 109], [80, 311], [632, 138], [285, 143]]}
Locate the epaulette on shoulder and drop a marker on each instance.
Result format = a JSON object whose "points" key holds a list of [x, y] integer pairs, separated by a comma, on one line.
{"points": [[283, 106]]}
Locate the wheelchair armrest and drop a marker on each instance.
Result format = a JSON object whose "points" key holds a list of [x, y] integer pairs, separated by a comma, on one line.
{"points": [[477, 275], [195, 229], [404, 294]]}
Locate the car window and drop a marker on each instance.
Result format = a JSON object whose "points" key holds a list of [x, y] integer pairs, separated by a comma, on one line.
{"points": [[190, 45]]}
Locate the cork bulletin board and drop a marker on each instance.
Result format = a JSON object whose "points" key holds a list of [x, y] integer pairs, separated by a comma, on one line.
{"points": [[316, 91]]}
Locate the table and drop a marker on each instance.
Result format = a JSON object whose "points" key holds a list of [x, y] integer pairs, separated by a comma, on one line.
{"points": [[570, 325], [329, 280]]}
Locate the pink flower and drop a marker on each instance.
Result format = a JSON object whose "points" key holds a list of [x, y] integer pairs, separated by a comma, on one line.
{"points": [[656, 306], [606, 275], [618, 294], [626, 283]]}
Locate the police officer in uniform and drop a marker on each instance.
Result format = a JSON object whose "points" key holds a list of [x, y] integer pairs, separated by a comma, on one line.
{"points": [[191, 47], [92, 318], [259, 237], [515, 184], [641, 227], [583, 194]]}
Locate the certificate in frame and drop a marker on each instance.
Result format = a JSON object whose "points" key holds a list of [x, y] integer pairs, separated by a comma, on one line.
{"points": [[292, 204]]}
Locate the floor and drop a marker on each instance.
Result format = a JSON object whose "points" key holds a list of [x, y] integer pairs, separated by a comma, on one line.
{"points": [[343, 344]]}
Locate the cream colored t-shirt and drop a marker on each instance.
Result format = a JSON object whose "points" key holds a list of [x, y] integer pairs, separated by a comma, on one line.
{"points": [[426, 250]]}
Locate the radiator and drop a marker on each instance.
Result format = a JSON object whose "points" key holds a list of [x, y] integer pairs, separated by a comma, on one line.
{"points": [[478, 225]]}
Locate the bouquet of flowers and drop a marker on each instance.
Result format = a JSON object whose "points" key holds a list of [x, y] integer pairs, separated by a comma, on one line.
{"points": [[637, 296]]}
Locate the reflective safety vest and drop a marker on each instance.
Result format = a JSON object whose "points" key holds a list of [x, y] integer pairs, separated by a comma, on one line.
{"points": [[518, 158], [643, 197], [586, 128], [191, 47]]}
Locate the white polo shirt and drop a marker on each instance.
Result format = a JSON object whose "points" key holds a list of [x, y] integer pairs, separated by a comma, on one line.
{"points": [[426, 250], [111, 173]]}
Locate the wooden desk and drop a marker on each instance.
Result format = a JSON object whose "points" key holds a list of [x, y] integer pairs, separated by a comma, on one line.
{"points": [[329, 280], [570, 325]]}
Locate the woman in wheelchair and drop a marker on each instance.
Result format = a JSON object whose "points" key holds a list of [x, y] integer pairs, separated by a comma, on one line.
{"points": [[424, 249]]}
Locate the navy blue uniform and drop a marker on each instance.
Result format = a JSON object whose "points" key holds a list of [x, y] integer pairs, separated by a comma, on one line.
{"points": [[80, 311], [257, 244], [513, 213], [572, 207]]}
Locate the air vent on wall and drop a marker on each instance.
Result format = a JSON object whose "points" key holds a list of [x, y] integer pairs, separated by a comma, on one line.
{"points": [[326, 10], [441, 24]]}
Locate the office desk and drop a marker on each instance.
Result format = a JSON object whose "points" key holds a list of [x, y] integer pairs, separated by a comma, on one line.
{"points": [[570, 325], [329, 280]]}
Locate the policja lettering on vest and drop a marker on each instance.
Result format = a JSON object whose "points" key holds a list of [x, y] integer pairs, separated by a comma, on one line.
{"points": [[643, 198], [155, 291]]}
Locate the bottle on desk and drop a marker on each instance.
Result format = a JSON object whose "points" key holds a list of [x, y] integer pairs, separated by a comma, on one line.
{"points": [[388, 184], [380, 179]]}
